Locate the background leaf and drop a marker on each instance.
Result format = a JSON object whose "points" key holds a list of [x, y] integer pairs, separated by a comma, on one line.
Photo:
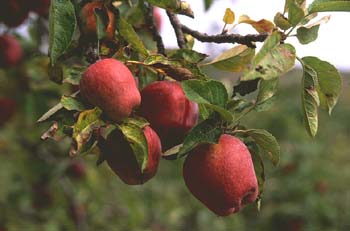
{"points": [[329, 5]]}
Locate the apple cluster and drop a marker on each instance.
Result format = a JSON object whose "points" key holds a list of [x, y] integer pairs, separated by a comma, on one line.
{"points": [[220, 175]]}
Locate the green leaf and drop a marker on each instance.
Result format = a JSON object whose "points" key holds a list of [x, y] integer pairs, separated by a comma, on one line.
{"points": [[310, 100], [72, 72], [62, 27], [307, 35], [101, 22], [175, 6], [281, 21], [72, 103], [83, 129], [207, 92], [129, 34], [267, 143], [50, 113], [267, 90], [239, 107], [207, 4], [187, 55], [273, 60], [245, 87], [329, 81], [295, 13], [258, 165], [329, 5], [234, 59], [137, 140], [207, 131]]}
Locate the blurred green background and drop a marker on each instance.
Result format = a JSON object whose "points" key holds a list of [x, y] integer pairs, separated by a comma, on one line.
{"points": [[41, 188]]}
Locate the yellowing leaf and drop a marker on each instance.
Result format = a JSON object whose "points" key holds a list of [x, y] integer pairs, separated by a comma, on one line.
{"points": [[261, 26], [229, 16]]}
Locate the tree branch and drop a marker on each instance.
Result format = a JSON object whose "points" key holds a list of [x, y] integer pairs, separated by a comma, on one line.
{"points": [[178, 29], [226, 38], [156, 36]]}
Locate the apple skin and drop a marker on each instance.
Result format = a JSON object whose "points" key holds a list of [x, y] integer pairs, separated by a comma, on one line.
{"points": [[10, 51], [122, 161], [88, 20], [7, 110], [222, 175], [157, 17], [169, 112], [110, 85], [76, 170], [13, 12]]}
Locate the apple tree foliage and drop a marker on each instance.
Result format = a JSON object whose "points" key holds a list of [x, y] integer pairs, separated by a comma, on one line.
{"points": [[138, 44]]}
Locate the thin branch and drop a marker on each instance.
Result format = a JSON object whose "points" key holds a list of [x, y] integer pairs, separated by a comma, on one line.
{"points": [[178, 29], [156, 36], [226, 38]]}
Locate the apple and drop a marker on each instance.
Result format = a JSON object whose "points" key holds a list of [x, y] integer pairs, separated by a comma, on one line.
{"points": [[110, 85], [76, 170], [221, 175], [7, 109], [13, 12], [10, 51], [88, 20], [122, 160], [41, 7], [170, 113], [157, 17]]}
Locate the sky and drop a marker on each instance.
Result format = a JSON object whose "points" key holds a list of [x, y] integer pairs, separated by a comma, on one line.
{"points": [[332, 44]]}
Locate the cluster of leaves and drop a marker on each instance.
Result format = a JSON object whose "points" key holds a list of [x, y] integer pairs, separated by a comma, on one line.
{"points": [[220, 110]]}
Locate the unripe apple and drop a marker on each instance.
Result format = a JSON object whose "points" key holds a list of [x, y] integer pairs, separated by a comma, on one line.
{"points": [[88, 20], [122, 160], [222, 175], [10, 51], [110, 85], [7, 109], [157, 17], [169, 112], [13, 12]]}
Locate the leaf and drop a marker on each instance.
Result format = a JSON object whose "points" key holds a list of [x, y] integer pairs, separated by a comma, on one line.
{"points": [[187, 55], [267, 143], [239, 107], [267, 90], [73, 72], [62, 27], [234, 59], [208, 3], [175, 6], [310, 100], [258, 165], [329, 81], [101, 22], [50, 113], [273, 60], [207, 131], [229, 16], [281, 21], [329, 5], [137, 140], [129, 34], [72, 104], [261, 26], [295, 13], [207, 92], [82, 131], [245, 87], [309, 33]]}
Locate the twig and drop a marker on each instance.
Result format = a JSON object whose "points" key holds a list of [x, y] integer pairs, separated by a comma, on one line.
{"points": [[156, 36], [226, 38], [178, 29]]}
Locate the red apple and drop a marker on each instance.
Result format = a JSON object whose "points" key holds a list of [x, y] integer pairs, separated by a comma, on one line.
{"points": [[110, 85], [221, 175], [122, 160], [169, 112], [7, 109], [76, 170], [157, 17], [88, 20], [13, 12], [10, 51], [41, 7]]}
